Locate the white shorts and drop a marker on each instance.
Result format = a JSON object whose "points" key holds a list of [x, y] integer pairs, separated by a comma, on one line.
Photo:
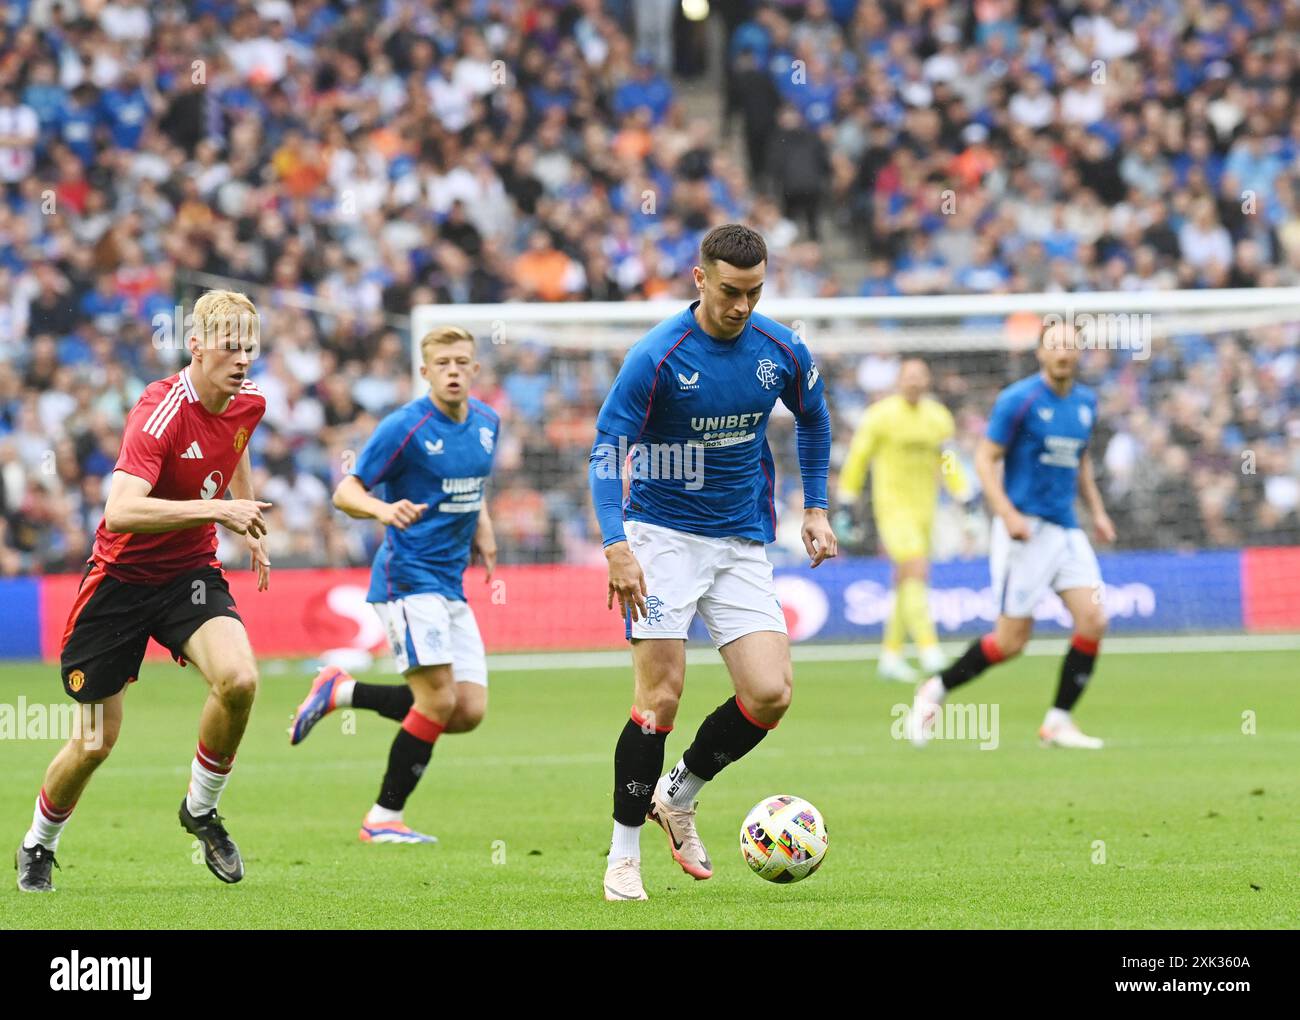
{"points": [[1053, 558], [728, 581], [429, 630]]}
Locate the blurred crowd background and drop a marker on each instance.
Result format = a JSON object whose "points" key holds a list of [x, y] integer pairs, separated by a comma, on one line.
{"points": [[342, 162]]}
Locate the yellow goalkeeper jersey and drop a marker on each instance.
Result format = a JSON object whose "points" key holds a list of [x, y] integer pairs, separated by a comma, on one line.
{"points": [[903, 444]]}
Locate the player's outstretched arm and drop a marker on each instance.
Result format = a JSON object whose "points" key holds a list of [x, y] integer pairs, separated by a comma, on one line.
{"points": [[812, 431], [352, 498], [862, 451], [483, 548], [130, 509], [241, 487], [988, 466], [626, 579], [1092, 499]]}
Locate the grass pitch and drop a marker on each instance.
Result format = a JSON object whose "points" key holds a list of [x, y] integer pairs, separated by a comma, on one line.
{"points": [[1187, 819]]}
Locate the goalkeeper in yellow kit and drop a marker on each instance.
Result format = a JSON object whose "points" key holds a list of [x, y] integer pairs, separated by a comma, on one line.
{"points": [[902, 439]]}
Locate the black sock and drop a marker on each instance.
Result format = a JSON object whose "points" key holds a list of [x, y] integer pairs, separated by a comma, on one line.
{"points": [[1076, 671], [726, 735], [974, 661], [638, 760], [392, 701], [406, 763]]}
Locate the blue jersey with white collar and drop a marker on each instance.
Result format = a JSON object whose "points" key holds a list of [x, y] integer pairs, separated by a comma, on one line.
{"points": [[420, 454], [693, 410], [1045, 437]]}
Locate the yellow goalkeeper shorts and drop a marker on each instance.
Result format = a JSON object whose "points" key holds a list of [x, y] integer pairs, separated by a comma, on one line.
{"points": [[905, 537]]}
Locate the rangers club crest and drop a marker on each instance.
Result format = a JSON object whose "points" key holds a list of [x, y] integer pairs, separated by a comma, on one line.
{"points": [[241, 439], [767, 373], [485, 437]]}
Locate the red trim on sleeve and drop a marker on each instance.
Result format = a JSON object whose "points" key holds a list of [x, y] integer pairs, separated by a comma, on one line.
{"points": [[651, 399], [771, 490], [798, 372], [1034, 392], [389, 462]]}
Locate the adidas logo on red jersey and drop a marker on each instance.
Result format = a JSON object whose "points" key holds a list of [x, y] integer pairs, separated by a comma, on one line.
{"points": [[193, 453]]}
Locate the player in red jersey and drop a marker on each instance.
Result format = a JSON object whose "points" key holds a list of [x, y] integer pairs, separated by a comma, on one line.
{"points": [[154, 573]]}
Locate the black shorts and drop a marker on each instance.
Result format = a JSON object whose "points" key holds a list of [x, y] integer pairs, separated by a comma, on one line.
{"points": [[112, 621]]}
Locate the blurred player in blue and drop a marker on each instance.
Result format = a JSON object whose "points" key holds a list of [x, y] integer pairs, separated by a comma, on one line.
{"points": [[1039, 431], [433, 458], [688, 417]]}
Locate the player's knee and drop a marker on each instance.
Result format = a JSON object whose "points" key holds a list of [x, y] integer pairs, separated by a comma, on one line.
{"points": [[236, 687], [91, 749], [1092, 624], [770, 703], [662, 701], [468, 717], [436, 703], [1011, 644]]}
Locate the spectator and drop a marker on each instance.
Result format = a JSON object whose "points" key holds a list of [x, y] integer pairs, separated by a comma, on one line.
{"points": [[797, 167], [19, 132]]}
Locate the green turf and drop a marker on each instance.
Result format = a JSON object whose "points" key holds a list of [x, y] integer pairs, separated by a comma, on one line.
{"points": [[1199, 820]]}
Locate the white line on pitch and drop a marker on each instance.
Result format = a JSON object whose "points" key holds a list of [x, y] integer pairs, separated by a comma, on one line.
{"points": [[870, 650]]}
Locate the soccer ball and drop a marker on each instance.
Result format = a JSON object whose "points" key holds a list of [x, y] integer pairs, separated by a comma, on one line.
{"points": [[783, 839]]}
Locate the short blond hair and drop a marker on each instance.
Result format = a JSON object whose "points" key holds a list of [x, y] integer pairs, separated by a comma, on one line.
{"points": [[444, 335], [221, 314]]}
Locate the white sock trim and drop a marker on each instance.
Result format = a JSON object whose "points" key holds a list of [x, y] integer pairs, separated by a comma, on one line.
{"points": [[626, 842], [205, 788], [43, 830], [682, 786]]}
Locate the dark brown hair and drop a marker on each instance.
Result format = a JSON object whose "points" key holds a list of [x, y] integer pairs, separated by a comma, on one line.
{"points": [[734, 244]]}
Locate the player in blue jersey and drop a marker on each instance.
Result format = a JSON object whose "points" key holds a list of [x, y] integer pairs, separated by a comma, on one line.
{"points": [[1038, 432], [433, 458], [688, 415]]}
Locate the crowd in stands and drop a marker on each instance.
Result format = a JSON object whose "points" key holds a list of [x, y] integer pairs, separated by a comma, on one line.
{"points": [[342, 162]]}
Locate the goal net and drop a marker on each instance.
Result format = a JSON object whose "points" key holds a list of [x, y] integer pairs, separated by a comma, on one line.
{"points": [[1196, 447]]}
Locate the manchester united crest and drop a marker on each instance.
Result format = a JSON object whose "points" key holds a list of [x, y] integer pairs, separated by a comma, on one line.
{"points": [[241, 438], [76, 680]]}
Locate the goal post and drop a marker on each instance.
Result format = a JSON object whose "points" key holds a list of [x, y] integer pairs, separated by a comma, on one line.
{"points": [[1196, 447]]}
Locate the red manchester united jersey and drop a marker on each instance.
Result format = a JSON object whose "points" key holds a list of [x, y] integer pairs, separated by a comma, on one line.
{"points": [[186, 452]]}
